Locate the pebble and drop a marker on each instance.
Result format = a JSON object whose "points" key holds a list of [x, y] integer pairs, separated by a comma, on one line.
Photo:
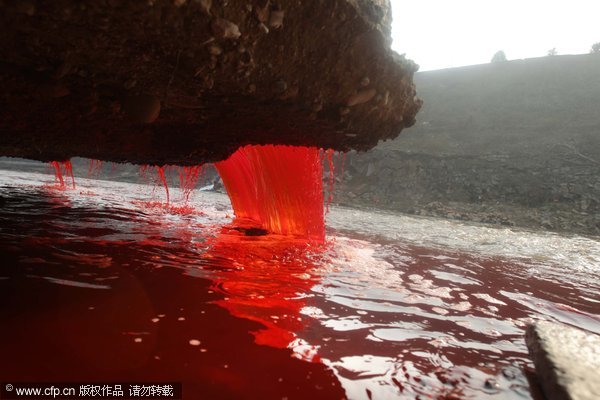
{"points": [[361, 97], [276, 19], [225, 29], [263, 28], [280, 86], [215, 50], [205, 5], [491, 383]]}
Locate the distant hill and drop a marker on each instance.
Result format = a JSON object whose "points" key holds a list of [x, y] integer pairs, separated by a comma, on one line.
{"points": [[515, 143], [513, 106]]}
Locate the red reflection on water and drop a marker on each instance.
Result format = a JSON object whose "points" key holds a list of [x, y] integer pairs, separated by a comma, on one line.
{"points": [[134, 298], [111, 312], [268, 283], [62, 169], [278, 187]]}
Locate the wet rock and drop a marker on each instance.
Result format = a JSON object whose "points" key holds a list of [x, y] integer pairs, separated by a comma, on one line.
{"points": [[491, 383], [276, 19]]}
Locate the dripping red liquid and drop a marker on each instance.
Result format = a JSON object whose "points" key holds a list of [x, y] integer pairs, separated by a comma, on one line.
{"points": [[95, 167], [62, 169], [329, 155], [188, 178], [163, 179]]}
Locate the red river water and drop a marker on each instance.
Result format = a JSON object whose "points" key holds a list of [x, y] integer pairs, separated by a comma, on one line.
{"points": [[98, 285]]}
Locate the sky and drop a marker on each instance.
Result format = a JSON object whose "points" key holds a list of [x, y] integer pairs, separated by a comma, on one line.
{"points": [[440, 34]]}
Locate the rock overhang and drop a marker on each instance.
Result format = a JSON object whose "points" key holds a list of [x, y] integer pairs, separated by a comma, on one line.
{"points": [[188, 82]]}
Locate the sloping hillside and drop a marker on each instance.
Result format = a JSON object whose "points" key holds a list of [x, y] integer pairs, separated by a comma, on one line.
{"points": [[495, 142], [514, 106]]}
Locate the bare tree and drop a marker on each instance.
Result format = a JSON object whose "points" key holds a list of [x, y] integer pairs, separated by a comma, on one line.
{"points": [[595, 48], [552, 52]]}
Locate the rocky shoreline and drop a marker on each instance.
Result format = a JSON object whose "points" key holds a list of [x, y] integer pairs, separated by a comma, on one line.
{"points": [[560, 221], [521, 191]]}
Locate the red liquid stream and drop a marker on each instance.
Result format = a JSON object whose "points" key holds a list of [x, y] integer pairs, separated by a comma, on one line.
{"points": [[161, 175], [59, 166], [188, 178], [95, 167], [278, 187], [329, 155]]}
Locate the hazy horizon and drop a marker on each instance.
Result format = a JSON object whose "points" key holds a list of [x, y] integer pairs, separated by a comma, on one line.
{"points": [[438, 34]]}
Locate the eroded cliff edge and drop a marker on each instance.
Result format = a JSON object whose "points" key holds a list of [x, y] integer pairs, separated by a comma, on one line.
{"points": [[187, 82]]}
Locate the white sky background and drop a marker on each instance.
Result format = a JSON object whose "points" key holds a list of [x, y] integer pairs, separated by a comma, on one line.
{"points": [[449, 33]]}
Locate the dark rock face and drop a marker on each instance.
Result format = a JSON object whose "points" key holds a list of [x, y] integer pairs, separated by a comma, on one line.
{"points": [[186, 82]]}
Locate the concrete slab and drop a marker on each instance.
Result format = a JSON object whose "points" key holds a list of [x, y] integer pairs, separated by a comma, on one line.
{"points": [[567, 360]]}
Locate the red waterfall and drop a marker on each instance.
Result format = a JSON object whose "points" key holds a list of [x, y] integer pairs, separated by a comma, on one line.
{"points": [[279, 187]]}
